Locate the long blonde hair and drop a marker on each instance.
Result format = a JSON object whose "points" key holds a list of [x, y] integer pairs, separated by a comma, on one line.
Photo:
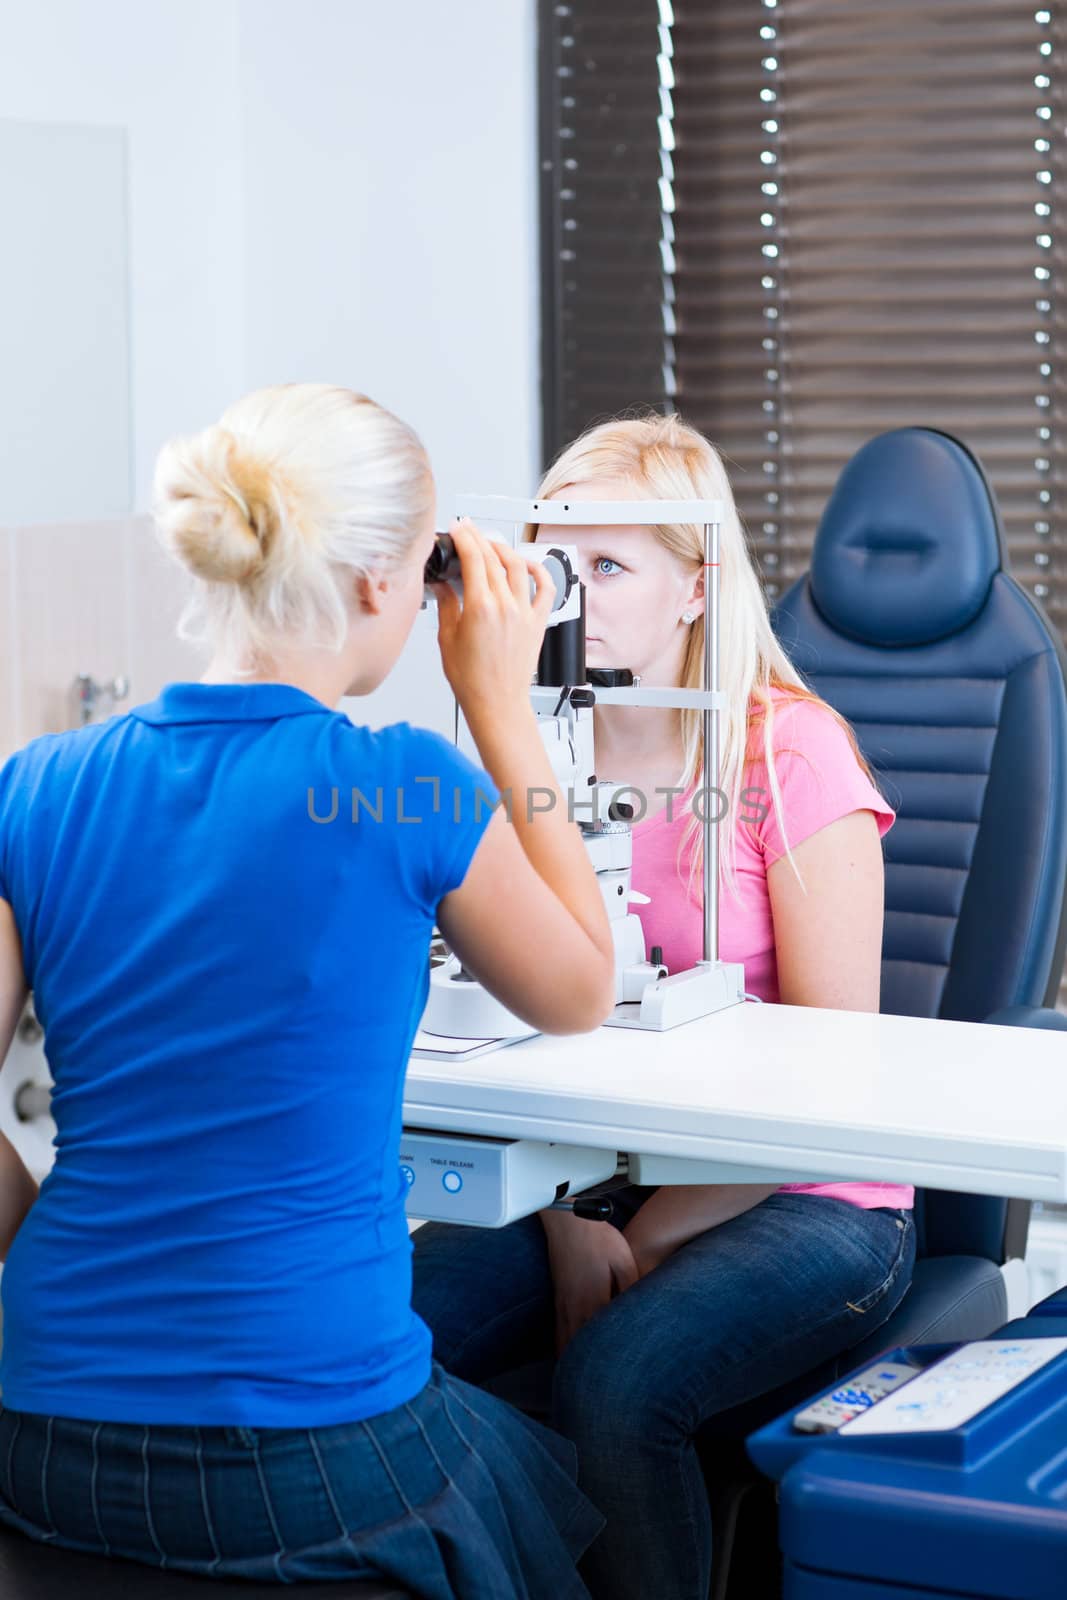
{"points": [[663, 458], [275, 506]]}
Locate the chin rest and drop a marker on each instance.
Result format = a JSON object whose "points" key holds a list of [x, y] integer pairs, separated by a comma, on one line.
{"points": [[31, 1571]]}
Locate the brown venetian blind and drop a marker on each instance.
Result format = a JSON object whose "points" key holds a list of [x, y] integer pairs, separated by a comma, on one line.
{"points": [[606, 233], [866, 197]]}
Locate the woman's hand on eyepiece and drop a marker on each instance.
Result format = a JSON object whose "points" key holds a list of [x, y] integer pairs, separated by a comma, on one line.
{"points": [[490, 644]]}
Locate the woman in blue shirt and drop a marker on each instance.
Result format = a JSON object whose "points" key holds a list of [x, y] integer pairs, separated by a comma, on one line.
{"points": [[210, 1359]]}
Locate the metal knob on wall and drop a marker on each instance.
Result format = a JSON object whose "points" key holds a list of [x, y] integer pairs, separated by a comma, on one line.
{"points": [[29, 1028], [95, 702], [32, 1100]]}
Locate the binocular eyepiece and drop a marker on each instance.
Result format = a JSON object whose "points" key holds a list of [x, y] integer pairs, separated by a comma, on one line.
{"points": [[443, 566], [562, 656], [443, 562]]}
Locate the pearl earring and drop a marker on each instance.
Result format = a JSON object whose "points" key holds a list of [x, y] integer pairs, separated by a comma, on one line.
{"points": [[687, 616]]}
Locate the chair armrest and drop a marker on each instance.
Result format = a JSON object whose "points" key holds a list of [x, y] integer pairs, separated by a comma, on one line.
{"points": [[1029, 1017]]}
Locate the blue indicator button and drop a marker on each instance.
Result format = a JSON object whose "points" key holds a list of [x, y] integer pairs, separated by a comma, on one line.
{"points": [[452, 1182], [408, 1175], [853, 1397]]}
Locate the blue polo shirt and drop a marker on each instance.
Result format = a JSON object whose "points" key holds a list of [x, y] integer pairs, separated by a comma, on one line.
{"points": [[225, 901]]}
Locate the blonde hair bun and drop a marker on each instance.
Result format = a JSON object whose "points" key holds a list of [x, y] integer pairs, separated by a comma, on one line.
{"points": [[217, 505], [297, 490]]}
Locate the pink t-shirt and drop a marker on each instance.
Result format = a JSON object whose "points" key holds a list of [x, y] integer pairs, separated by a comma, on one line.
{"points": [[820, 781]]}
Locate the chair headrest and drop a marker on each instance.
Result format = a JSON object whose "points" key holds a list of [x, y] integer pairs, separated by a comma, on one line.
{"points": [[909, 542]]}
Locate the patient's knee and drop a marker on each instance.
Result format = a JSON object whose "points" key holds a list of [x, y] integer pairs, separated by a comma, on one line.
{"points": [[601, 1391]]}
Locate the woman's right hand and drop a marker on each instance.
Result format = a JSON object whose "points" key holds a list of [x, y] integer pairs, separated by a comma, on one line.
{"points": [[591, 1263], [529, 920], [490, 643]]}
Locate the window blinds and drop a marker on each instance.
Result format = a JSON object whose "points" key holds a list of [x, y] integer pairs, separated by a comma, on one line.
{"points": [[606, 233], [866, 198], [800, 222]]}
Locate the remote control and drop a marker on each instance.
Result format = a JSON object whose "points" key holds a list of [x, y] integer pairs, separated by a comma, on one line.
{"points": [[857, 1395], [959, 1386]]}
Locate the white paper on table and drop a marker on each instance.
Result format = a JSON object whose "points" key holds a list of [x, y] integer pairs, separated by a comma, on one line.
{"points": [[439, 1047]]}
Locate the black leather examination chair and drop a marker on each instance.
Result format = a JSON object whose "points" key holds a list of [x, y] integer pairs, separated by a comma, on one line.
{"points": [[953, 678]]}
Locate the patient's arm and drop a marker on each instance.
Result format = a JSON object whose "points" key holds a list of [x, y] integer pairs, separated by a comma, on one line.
{"points": [[18, 1190], [828, 944], [828, 932]]}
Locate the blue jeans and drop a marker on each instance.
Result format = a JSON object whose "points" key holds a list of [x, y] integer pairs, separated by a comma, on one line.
{"points": [[740, 1309]]}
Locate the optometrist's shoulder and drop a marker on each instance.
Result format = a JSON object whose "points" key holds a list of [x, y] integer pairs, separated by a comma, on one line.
{"points": [[528, 920]]}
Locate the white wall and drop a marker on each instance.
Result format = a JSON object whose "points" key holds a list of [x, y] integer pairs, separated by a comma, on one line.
{"points": [[391, 217], [392, 239], [64, 322], [342, 191], [167, 71]]}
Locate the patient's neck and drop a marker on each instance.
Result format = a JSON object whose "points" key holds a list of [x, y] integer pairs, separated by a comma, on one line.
{"points": [[639, 746]]}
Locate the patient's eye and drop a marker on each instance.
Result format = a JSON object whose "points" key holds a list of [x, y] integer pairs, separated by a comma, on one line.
{"points": [[607, 561]]}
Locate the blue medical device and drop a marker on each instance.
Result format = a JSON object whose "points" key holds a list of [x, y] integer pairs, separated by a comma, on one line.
{"points": [[954, 1485], [1054, 1306]]}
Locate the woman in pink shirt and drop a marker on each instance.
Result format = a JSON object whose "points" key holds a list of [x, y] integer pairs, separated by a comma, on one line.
{"points": [[703, 1296]]}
